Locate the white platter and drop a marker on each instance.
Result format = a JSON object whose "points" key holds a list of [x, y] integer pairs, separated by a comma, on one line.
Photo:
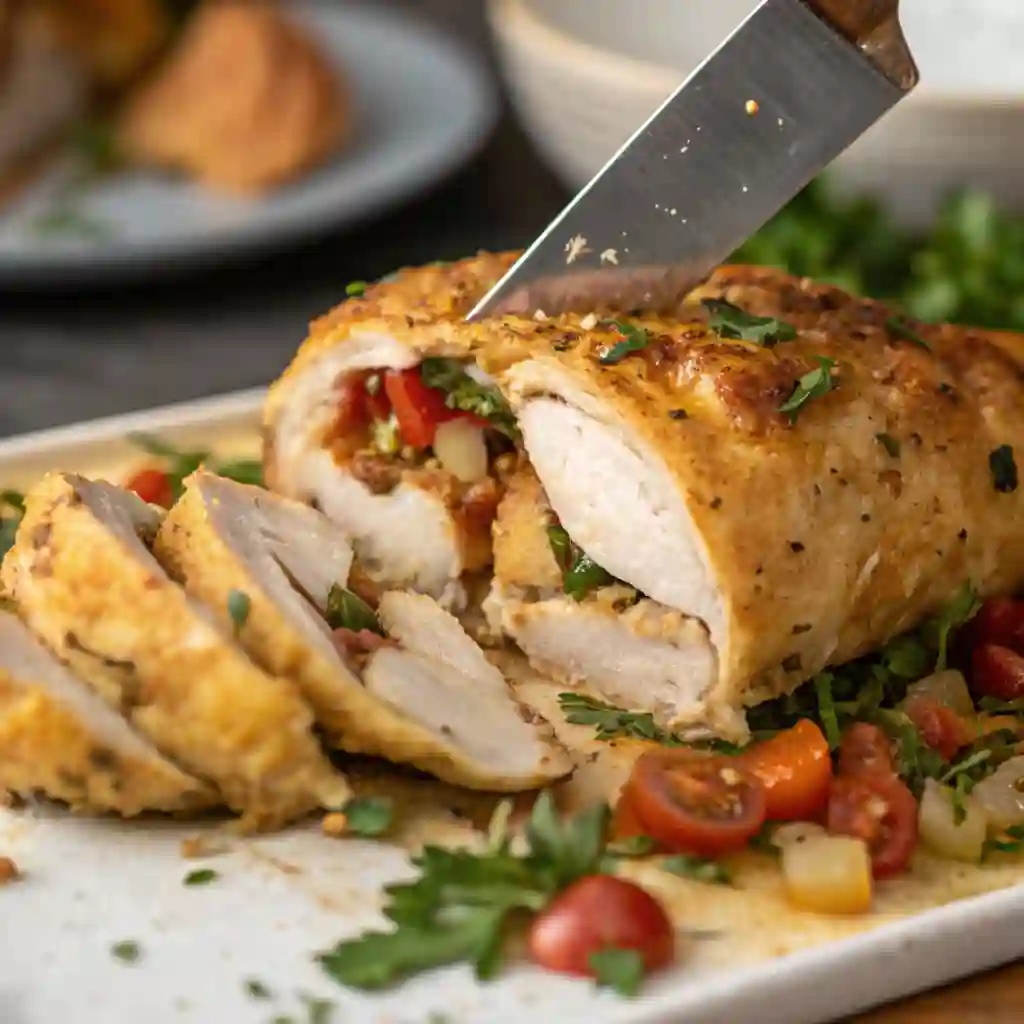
{"points": [[423, 107], [279, 899]]}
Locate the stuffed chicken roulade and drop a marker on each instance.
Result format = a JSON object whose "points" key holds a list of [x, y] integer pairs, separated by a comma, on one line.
{"points": [[387, 422], [803, 491]]}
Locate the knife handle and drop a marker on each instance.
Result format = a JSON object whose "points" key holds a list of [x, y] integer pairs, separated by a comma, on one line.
{"points": [[874, 27]]}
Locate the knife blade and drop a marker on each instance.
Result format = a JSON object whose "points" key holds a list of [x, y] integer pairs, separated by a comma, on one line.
{"points": [[780, 99]]}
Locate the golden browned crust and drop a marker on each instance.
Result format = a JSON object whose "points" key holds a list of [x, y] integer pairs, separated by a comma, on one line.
{"points": [[822, 543], [522, 550]]}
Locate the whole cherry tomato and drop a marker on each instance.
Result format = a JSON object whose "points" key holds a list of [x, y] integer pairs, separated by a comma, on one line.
{"points": [[153, 486], [597, 913], [997, 672], [880, 810]]}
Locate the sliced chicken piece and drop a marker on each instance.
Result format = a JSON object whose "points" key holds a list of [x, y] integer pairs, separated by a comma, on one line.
{"points": [[86, 583], [634, 652], [441, 677], [419, 513], [223, 538], [58, 739]]}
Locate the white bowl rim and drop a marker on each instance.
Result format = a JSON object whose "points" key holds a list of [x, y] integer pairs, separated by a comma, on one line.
{"points": [[609, 65]]}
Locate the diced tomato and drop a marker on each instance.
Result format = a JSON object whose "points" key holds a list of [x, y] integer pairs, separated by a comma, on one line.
{"points": [[997, 672], [419, 409], [597, 913], [153, 486], [795, 769], [694, 804], [351, 413], [1000, 621], [866, 750], [940, 726], [880, 810]]}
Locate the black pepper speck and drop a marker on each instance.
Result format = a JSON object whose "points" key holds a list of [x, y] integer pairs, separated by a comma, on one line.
{"points": [[796, 547], [716, 502]]}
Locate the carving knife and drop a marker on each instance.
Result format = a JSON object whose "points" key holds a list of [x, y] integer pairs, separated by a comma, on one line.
{"points": [[782, 97]]}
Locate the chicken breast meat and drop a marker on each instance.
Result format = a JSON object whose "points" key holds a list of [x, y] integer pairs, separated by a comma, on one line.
{"points": [[86, 583], [806, 495], [387, 421], [59, 740], [418, 691], [607, 637]]}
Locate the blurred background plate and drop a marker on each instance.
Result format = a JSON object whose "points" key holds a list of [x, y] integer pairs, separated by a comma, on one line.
{"points": [[584, 74], [424, 106]]}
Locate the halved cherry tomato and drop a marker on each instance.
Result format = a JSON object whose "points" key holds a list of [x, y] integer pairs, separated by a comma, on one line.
{"points": [[596, 913], [940, 726], [690, 803], [153, 486], [419, 409], [625, 824], [795, 769], [1000, 621], [880, 810], [997, 672], [866, 750]]}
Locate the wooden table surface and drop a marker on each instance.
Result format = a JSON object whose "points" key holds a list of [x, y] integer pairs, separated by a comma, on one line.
{"points": [[71, 357]]}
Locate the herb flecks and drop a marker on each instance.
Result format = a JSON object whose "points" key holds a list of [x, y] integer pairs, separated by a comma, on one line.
{"points": [[127, 951], [1004, 469], [890, 444], [368, 816], [256, 989], [239, 607], [811, 385], [581, 575], [700, 869], [465, 393], [731, 322], [201, 876], [634, 339], [346, 610], [900, 328]]}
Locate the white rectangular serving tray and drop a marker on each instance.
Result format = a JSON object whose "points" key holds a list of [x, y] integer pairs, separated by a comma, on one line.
{"points": [[279, 899]]}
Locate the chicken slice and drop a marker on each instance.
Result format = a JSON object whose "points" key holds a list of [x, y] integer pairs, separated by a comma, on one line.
{"points": [[86, 583], [58, 739], [635, 652], [224, 537]]}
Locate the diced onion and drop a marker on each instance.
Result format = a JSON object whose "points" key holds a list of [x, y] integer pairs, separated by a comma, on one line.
{"points": [[1001, 795], [939, 829], [828, 874], [461, 449], [796, 832], [949, 688]]}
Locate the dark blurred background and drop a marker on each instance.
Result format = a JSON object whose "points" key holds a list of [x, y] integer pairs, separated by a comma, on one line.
{"points": [[67, 356]]}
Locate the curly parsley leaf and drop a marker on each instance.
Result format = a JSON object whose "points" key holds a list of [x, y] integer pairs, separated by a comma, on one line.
{"points": [[634, 339], [1004, 469], [731, 322], [814, 384], [469, 395], [346, 610], [460, 906], [620, 969]]}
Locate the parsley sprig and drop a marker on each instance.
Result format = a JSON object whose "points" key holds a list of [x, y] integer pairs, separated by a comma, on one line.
{"points": [[634, 339], [581, 575], [813, 384], [463, 392], [611, 722], [734, 323], [180, 464], [463, 903]]}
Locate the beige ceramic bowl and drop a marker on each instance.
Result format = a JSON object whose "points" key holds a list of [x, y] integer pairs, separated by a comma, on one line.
{"points": [[584, 74]]}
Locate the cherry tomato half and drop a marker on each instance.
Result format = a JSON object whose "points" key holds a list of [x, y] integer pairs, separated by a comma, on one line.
{"points": [[866, 750], [694, 804], [795, 769], [997, 672], [596, 913], [153, 486], [940, 726], [880, 810], [625, 824]]}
